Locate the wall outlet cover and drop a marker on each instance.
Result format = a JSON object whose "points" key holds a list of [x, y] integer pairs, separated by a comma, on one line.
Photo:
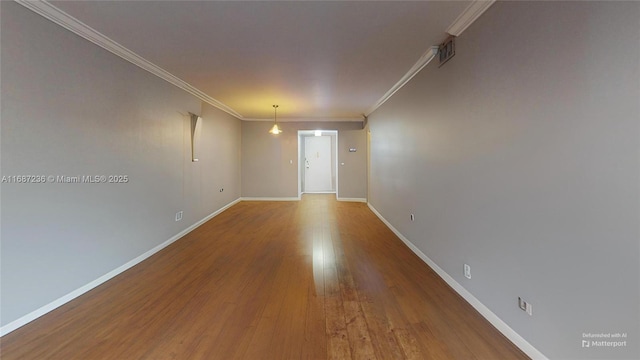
{"points": [[521, 304]]}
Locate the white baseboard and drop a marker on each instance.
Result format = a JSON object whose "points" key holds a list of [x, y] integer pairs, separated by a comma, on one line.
{"points": [[270, 199], [505, 329], [361, 200], [111, 274]]}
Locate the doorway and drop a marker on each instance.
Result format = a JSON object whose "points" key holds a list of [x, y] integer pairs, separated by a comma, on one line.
{"points": [[317, 160]]}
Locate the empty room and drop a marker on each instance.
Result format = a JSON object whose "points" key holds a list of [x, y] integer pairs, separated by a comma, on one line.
{"points": [[319, 179]]}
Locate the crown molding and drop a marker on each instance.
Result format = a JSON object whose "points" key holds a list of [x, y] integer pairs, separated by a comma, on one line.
{"points": [[81, 29], [415, 69], [468, 16], [460, 24], [308, 119], [49, 11]]}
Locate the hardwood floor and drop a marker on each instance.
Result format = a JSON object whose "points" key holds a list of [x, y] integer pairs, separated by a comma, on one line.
{"points": [[315, 279]]}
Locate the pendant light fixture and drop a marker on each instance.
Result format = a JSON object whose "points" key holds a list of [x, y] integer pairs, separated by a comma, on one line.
{"points": [[275, 130]]}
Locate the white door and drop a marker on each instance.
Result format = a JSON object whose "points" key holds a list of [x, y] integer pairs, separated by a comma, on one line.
{"points": [[317, 165]]}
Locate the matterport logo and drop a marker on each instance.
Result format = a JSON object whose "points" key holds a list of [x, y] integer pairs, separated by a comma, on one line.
{"points": [[608, 340]]}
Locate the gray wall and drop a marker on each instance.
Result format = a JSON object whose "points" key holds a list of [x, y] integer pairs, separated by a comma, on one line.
{"points": [[71, 108], [520, 157], [270, 163]]}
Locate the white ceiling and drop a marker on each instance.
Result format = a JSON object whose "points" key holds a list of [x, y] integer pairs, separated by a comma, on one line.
{"points": [[316, 59]]}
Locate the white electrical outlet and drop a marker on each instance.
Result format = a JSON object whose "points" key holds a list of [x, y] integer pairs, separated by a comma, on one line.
{"points": [[467, 271], [525, 306], [179, 216], [521, 304]]}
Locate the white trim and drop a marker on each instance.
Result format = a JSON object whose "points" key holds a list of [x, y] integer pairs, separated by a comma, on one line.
{"points": [[415, 69], [270, 198], [79, 28], [468, 16], [336, 170], [108, 276], [360, 200], [307, 119], [505, 329], [304, 133], [300, 163], [49, 11]]}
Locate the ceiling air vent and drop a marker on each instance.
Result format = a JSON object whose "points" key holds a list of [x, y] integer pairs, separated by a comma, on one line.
{"points": [[446, 50]]}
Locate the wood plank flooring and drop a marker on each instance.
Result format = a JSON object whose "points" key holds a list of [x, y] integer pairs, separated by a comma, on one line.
{"points": [[315, 279]]}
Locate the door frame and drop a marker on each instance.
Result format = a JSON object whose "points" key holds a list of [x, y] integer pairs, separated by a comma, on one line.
{"points": [[301, 135]]}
